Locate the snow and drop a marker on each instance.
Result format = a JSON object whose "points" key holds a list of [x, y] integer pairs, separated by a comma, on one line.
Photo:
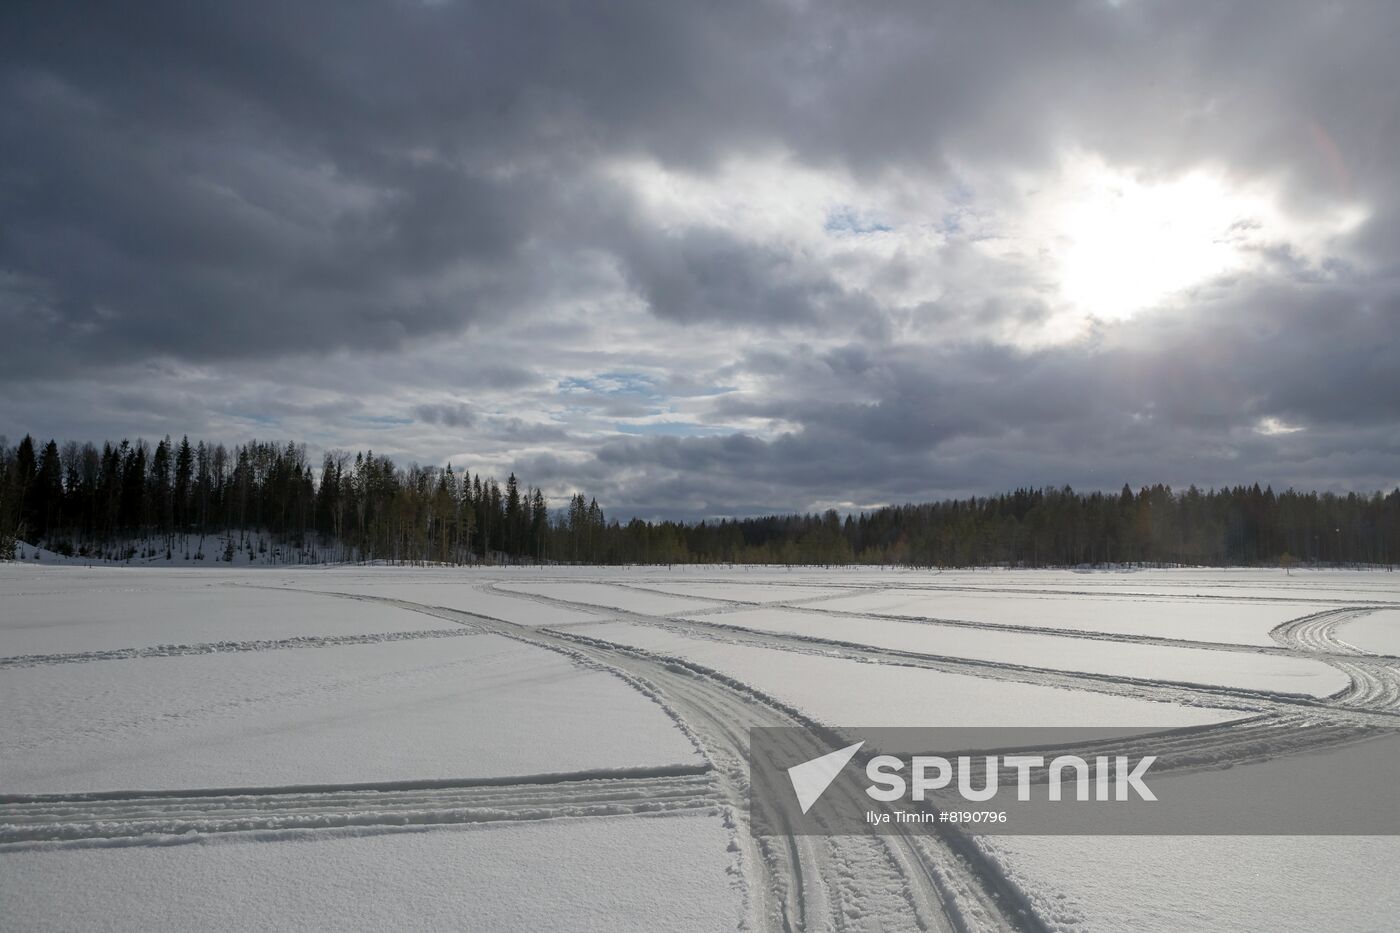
{"points": [[842, 692], [513, 786], [1377, 633], [1341, 586], [113, 609], [742, 591], [613, 597], [1229, 622], [458, 707], [1108, 884], [1222, 882], [595, 874], [466, 596], [1240, 670]]}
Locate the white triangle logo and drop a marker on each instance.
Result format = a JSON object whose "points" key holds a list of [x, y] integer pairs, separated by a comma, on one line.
{"points": [[811, 778]]}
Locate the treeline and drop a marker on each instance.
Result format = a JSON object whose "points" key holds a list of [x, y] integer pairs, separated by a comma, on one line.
{"points": [[81, 499]]}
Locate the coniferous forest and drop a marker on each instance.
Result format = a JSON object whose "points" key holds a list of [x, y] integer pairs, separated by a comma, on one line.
{"points": [[132, 501]]}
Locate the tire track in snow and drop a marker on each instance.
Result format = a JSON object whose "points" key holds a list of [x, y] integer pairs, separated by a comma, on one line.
{"points": [[737, 605], [87, 820], [219, 647], [1280, 732], [1347, 595], [1176, 692], [1284, 725], [1375, 679], [1371, 684], [938, 881], [753, 603], [1317, 633]]}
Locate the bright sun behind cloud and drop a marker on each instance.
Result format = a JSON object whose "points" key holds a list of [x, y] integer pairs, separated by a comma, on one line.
{"points": [[1128, 245], [1118, 242]]}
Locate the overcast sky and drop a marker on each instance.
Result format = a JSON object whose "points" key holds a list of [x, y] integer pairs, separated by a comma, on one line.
{"points": [[706, 259]]}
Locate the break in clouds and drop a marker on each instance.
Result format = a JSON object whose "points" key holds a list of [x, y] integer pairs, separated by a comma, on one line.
{"points": [[715, 258]]}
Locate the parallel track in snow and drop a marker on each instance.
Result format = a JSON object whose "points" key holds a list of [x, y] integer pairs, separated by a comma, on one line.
{"points": [[224, 647], [1280, 725], [1170, 691], [926, 881], [929, 881], [1375, 679], [1347, 596], [796, 882], [145, 818], [1294, 648]]}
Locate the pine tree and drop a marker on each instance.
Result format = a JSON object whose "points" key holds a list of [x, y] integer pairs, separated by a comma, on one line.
{"points": [[515, 519], [539, 525], [25, 469], [184, 480], [161, 493], [47, 494]]}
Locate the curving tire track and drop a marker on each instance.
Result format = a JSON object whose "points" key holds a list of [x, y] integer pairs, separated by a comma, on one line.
{"points": [[796, 882], [1282, 725], [1317, 633], [1117, 685], [942, 881], [1375, 680]]}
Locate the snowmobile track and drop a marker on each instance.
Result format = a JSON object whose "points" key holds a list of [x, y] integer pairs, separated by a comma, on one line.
{"points": [[796, 882], [137, 818]]}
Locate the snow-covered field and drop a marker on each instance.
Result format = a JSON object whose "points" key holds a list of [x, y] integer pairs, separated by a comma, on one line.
{"points": [[564, 748]]}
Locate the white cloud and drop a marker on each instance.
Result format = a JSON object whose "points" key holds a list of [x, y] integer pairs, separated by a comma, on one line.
{"points": [[1271, 426]]}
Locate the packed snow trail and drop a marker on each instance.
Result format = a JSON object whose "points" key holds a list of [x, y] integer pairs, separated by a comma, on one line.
{"points": [[846, 883], [1317, 633], [1297, 648], [1178, 692], [1375, 679], [796, 882], [1285, 724], [107, 819], [221, 647]]}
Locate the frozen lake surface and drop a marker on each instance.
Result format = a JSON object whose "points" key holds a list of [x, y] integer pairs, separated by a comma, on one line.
{"points": [[530, 748]]}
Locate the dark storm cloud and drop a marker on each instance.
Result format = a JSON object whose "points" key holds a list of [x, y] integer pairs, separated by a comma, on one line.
{"points": [[388, 206], [1192, 407], [254, 179]]}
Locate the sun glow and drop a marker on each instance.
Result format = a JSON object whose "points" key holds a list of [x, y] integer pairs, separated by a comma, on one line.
{"points": [[1122, 242], [1129, 245]]}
